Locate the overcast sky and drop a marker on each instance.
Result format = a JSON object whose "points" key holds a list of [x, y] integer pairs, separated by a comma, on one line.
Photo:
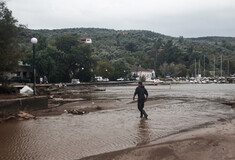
{"points": [[188, 18]]}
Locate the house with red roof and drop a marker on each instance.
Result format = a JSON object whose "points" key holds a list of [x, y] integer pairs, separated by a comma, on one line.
{"points": [[138, 71]]}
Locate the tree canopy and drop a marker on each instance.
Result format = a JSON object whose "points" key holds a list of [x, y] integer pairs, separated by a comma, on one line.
{"points": [[8, 42]]}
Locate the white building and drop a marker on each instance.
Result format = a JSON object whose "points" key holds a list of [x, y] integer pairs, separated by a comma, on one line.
{"points": [[23, 70], [86, 40], [137, 71]]}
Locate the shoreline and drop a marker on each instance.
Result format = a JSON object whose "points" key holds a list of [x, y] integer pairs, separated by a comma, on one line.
{"points": [[215, 142]]}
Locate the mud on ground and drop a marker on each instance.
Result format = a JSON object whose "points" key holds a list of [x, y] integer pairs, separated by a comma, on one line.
{"points": [[213, 143]]}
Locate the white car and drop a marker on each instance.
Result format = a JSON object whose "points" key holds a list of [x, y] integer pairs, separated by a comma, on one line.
{"points": [[99, 79], [105, 80], [157, 81], [120, 79], [75, 81]]}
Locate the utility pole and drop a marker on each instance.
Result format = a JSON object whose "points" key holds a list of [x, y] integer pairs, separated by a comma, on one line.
{"points": [[195, 69], [228, 68]]}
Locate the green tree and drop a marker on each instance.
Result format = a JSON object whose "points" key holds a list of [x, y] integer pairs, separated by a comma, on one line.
{"points": [[164, 69], [180, 70], [141, 59], [46, 65], [130, 46], [65, 42], [227, 45], [84, 62], [170, 54], [181, 40], [154, 62], [120, 69], [172, 69], [50, 62], [77, 57], [104, 69], [8, 43], [42, 43]]}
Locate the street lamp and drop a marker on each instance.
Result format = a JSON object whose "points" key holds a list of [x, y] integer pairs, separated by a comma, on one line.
{"points": [[34, 41], [106, 73]]}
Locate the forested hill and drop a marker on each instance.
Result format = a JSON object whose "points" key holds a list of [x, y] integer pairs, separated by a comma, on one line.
{"points": [[147, 48], [103, 39]]}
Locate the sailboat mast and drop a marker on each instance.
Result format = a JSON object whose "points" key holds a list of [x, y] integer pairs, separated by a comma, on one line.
{"points": [[199, 67], [204, 70], [214, 66], [221, 66]]}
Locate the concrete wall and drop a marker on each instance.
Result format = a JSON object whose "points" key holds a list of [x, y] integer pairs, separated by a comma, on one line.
{"points": [[24, 104]]}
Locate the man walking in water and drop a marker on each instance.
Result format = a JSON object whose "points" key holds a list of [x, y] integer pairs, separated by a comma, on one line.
{"points": [[142, 97]]}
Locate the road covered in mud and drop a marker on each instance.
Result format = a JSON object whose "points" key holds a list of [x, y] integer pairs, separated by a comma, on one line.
{"points": [[116, 124]]}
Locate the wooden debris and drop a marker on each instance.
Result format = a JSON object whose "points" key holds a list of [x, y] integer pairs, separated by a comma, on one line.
{"points": [[25, 115]]}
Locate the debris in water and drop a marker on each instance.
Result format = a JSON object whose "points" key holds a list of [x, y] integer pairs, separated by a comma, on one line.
{"points": [[100, 89], [74, 111], [98, 108], [25, 115]]}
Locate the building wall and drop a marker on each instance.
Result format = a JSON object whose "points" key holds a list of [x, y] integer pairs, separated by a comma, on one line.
{"points": [[149, 75], [24, 104], [88, 40]]}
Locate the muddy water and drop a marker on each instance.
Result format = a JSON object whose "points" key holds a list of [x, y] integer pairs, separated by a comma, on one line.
{"points": [[170, 108]]}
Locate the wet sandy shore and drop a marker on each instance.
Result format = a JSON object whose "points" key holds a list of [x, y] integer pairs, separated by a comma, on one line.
{"points": [[186, 122], [214, 143]]}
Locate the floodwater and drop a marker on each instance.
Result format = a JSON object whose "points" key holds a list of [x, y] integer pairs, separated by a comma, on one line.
{"points": [[171, 109]]}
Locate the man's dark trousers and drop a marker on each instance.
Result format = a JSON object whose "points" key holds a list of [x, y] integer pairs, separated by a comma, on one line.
{"points": [[141, 108]]}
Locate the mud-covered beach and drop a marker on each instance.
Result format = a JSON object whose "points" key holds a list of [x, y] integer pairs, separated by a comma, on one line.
{"points": [[187, 121]]}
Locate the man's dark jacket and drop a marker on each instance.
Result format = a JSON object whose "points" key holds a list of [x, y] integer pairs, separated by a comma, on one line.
{"points": [[141, 91]]}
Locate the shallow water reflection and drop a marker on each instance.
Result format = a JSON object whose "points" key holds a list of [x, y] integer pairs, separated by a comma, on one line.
{"points": [[143, 133], [72, 137]]}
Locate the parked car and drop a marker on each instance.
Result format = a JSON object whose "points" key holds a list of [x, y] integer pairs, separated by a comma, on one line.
{"points": [[101, 79], [120, 79], [75, 81], [132, 79], [18, 79], [105, 80], [157, 81], [98, 79]]}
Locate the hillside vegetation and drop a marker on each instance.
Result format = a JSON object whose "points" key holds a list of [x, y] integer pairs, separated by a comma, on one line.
{"points": [[119, 49]]}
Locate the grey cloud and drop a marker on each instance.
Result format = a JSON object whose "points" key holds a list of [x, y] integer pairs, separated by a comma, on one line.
{"points": [[188, 18]]}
